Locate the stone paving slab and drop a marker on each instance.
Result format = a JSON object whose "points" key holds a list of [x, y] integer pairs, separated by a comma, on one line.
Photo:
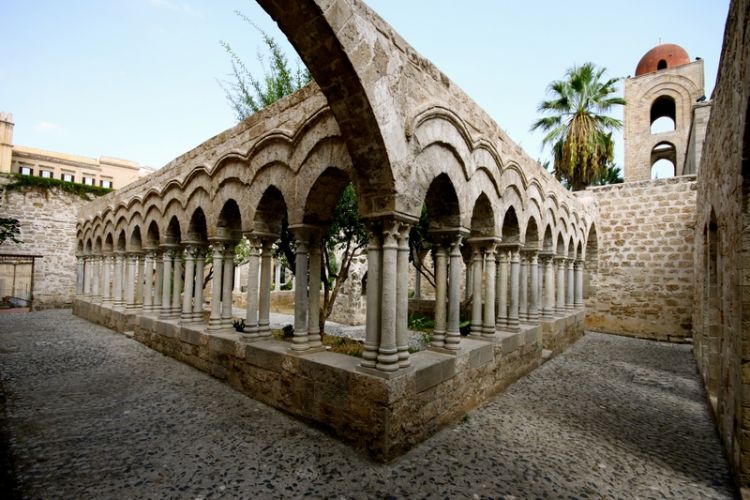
{"points": [[94, 414]]}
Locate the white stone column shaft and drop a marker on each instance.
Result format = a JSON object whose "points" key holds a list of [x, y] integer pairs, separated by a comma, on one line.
{"points": [[569, 295], [140, 269], [130, 282], [107, 281], [118, 280], [453, 334], [227, 286], [441, 285], [300, 342], [560, 305], [187, 294], [200, 269], [523, 290], [214, 320], [159, 278], [372, 320], [534, 285], [264, 297], [579, 284], [515, 275], [148, 282], [502, 290], [174, 310], [251, 311], [490, 284], [79, 274], [402, 297], [387, 350], [313, 294], [475, 327]]}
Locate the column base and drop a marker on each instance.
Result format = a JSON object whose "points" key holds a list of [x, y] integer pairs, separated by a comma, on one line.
{"points": [[310, 350], [385, 375]]}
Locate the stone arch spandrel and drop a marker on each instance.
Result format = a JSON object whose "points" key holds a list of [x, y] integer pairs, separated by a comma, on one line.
{"points": [[353, 63], [278, 176], [433, 162]]}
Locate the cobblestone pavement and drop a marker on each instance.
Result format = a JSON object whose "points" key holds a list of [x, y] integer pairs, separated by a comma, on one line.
{"points": [[94, 414]]}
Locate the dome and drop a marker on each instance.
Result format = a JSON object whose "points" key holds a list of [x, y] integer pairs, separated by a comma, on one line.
{"points": [[666, 55]]}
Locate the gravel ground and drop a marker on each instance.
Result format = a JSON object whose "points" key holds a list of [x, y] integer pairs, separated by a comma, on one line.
{"points": [[93, 414]]}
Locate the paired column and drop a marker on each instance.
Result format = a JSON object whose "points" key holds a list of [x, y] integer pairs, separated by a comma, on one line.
{"points": [[533, 314], [87, 275], [313, 291], [300, 342], [503, 261], [227, 285], [453, 333], [569, 294], [523, 290], [140, 271], [264, 298], [176, 305], [95, 278], [79, 274], [490, 284], [548, 307], [159, 279], [578, 302], [191, 253], [515, 275], [214, 320], [441, 285], [119, 272], [386, 333], [251, 312], [560, 305], [131, 269], [200, 269], [476, 325], [107, 279], [168, 257], [148, 281]]}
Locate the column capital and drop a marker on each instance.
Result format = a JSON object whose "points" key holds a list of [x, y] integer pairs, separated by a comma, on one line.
{"points": [[484, 243], [448, 236]]}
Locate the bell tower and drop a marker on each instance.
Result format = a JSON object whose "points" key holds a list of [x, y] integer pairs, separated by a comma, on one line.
{"points": [[6, 141], [658, 112]]}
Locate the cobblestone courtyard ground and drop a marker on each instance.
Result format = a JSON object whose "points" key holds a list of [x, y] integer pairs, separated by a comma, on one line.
{"points": [[93, 414]]}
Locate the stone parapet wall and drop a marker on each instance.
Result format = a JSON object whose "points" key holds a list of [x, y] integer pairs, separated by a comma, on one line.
{"points": [[384, 416], [48, 229], [643, 282]]}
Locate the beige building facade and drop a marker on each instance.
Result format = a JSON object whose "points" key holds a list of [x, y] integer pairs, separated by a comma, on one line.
{"points": [[104, 171]]}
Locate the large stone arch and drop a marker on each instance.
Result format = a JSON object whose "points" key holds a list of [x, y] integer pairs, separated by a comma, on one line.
{"points": [[353, 63]]}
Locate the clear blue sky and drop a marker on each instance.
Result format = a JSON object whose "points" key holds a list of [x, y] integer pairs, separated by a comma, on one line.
{"points": [[137, 79]]}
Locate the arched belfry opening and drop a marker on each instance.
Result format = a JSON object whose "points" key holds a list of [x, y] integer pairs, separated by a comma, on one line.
{"points": [[663, 161], [662, 64], [663, 114]]}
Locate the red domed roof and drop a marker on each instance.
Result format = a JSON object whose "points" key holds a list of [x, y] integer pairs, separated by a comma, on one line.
{"points": [[666, 55]]}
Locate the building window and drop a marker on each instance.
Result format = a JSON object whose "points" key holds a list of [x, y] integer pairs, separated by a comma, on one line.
{"points": [[26, 171], [68, 177], [89, 181], [45, 173], [106, 184]]}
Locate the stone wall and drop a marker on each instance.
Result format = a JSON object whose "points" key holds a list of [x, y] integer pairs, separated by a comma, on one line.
{"points": [[721, 312], [48, 229], [643, 283]]}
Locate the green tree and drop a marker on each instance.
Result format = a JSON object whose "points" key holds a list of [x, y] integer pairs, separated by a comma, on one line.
{"points": [[248, 94], [577, 127], [346, 235], [9, 230], [610, 175]]}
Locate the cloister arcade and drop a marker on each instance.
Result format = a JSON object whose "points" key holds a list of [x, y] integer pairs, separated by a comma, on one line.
{"points": [[142, 251]]}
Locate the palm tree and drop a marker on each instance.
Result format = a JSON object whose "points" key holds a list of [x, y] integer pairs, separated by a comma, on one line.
{"points": [[577, 127], [610, 175]]}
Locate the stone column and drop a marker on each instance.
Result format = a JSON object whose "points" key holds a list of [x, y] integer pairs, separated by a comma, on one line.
{"points": [[148, 282], [534, 285], [560, 305], [313, 294], [502, 289], [237, 274], [387, 350], [159, 278], [166, 280], [453, 334], [579, 284], [191, 252], [79, 274], [251, 312], [107, 280], [417, 284], [96, 281], [549, 287], [490, 284], [277, 275], [214, 320], [300, 342], [132, 262], [227, 285], [174, 310], [264, 298], [200, 269], [569, 295], [515, 268], [118, 280], [469, 288], [402, 297], [372, 322], [475, 327], [87, 275], [523, 288], [140, 269], [441, 284]]}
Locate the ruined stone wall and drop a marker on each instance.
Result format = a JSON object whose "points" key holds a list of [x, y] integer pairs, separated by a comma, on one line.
{"points": [[643, 284], [48, 222], [721, 316]]}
